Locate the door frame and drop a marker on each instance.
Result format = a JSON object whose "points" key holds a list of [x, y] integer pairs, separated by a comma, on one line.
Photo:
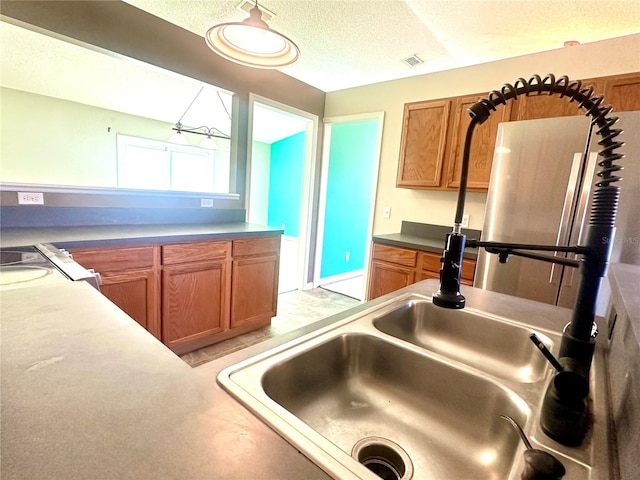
{"points": [[309, 168], [328, 123]]}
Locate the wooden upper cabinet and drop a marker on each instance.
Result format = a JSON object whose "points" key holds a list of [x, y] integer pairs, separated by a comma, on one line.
{"points": [[422, 148], [623, 92], [433, 132], [482, 144], [543, 105]]}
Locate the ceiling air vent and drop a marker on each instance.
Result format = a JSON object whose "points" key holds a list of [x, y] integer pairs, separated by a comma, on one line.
{"points": [[247, 5], [413, 60]]}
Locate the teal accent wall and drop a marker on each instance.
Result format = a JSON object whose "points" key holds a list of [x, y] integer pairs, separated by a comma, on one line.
{"points": [[352, 158], [285, 183]]}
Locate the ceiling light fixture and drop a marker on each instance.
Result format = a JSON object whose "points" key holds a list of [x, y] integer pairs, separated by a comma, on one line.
{"points": [[252, 43], [210, 132]]}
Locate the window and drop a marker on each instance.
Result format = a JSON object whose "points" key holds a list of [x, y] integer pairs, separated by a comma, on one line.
{"points": [[155, 165]]}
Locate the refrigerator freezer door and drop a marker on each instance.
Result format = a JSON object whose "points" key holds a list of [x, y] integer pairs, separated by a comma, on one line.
{"points": [[571, 276], [626, 243], [532, 179]]}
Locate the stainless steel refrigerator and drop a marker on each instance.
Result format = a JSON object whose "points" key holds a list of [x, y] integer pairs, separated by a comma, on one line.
{"points": [[541, 182]]}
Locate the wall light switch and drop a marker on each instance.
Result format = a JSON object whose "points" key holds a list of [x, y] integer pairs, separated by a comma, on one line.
{"points": [[386, 212], [30, 198], [465, 221]]}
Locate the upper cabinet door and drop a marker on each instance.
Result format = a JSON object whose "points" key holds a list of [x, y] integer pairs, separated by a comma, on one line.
{"points": [[543, 105], [422, 149], [482, 144], [623, 92]]}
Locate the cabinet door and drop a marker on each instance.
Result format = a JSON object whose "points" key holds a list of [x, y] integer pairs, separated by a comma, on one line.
{"points": [[193, 302], [130, 279], [422, 148], [137, 294], [482, 144], [254, 290], [543, 106], [623, 92], [386, 278]]}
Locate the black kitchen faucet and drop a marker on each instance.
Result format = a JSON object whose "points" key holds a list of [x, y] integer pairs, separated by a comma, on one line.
{"points": [[564, 417]]}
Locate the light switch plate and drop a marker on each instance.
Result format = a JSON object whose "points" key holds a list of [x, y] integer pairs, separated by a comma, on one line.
{"points": [[386, 212]]}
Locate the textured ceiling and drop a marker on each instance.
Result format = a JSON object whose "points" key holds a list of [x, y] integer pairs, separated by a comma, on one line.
{"points": [[41, 64], [351, 43], [343, 44]]}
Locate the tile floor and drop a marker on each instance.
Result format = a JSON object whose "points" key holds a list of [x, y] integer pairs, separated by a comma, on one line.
{"points": [[295, 309]]}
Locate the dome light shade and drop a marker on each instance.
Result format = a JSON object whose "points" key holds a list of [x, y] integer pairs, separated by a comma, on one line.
{"points": [[178, 138], [252, 43], [209, 143]]}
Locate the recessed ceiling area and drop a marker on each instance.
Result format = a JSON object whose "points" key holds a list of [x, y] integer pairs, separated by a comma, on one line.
{"points": [[271, 124], [347, 43]]}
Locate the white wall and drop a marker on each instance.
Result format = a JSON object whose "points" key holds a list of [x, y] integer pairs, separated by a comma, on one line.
{"points": [[49, 141], [610, 57], [259, 189]]}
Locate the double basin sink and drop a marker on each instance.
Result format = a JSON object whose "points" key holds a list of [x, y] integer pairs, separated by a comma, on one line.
{"points": [[407, 390]]}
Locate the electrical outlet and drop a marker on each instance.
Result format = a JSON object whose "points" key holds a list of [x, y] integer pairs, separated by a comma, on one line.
{"points": [[30, 198], [465, 221], [386, 212], [347, 256], [206, 202]]}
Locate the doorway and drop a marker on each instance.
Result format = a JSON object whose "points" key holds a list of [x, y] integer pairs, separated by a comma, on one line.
{"points": [[351, 157], [282, 149]]}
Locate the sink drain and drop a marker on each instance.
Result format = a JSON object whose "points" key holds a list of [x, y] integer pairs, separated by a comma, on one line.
{"points": [[386, 459]]}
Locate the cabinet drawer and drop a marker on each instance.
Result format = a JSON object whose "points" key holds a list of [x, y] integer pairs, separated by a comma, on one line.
{"points": [[193, 252], [468, 270], [431, 262], [115, 259], [400, 256], [256, 246]]}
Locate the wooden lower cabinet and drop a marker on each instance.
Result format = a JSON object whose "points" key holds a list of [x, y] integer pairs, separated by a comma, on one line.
{"points": [[194, 306], [130, 279], [393, 268], [250, 303], [136, 293], [254, 281], [387, 277], [192, 294]]}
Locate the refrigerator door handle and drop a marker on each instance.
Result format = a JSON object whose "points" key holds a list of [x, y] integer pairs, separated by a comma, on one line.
{"points": [[564, 230], [583, 203]]}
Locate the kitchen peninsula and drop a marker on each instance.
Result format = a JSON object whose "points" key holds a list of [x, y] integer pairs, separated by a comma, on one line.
{"points": [[188, 285]]}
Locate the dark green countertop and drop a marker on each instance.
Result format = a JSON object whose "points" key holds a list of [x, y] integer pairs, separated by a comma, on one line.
{"points": [[426, 244], [123, 235]]}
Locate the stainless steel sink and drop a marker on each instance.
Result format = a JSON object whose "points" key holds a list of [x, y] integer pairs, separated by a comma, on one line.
{"points": [[401, 391], [482, 341], [356, 386]]}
